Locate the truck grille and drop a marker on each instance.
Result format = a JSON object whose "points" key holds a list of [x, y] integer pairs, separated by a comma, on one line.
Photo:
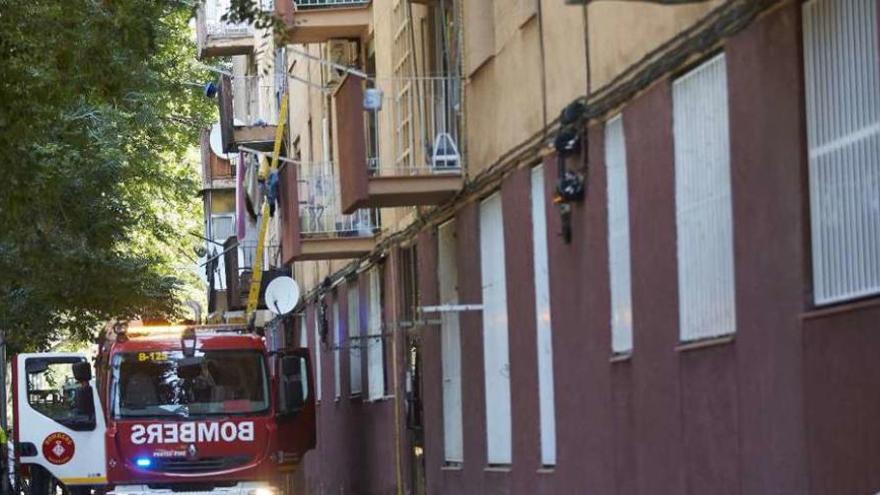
{"points": [[201, 465]]}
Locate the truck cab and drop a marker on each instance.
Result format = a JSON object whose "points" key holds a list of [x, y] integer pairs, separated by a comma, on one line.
{"points": [[207, 408]]}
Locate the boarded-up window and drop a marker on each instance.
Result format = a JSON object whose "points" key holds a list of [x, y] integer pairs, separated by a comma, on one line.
{"points": [[842, 77], [375, 338], [618, 237], [450, 346], [496, 356], [354, 338], [703, 208], [546, 397]]}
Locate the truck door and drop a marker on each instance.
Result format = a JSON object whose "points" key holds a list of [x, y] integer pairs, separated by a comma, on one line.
{"points": [[59, 422], [296, 407]]}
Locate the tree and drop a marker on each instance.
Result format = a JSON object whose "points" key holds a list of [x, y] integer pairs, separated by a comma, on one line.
{"points": [[99, 104]]}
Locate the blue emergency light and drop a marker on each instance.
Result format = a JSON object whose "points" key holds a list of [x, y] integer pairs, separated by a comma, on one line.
{"points": [[143, 462]]}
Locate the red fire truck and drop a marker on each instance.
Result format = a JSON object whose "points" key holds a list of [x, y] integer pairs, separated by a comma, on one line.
{"points": [[208, 409]]}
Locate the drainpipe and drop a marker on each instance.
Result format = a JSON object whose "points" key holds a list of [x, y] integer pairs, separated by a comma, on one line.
{"points": [[392, 273]]}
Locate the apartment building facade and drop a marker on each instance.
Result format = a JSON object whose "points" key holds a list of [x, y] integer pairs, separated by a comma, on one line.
{"points": [[613, 247]]}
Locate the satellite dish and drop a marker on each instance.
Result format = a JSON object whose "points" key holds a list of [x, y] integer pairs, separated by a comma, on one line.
{"points": [[282, 294], [217, 142]]}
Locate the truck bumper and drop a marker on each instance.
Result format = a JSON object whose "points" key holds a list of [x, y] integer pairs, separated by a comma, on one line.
{"points": [[243, 488]]}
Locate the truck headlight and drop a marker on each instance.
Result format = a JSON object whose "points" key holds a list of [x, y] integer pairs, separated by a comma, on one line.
{"points": [[263, 491]]}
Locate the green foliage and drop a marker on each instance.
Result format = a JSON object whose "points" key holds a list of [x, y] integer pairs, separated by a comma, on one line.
{"points": [[99, 105]]}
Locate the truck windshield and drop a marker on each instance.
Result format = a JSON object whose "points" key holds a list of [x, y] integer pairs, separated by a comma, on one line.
{"points": [[164, 383]]}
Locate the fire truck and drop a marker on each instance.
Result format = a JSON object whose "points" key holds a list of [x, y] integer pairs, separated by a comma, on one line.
{"points": [[207, 409]]}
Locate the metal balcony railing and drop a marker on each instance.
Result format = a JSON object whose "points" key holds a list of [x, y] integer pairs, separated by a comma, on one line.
{"points": [[325, 4], [247, 254], [256, 99], [417, 130], [320, 213], [216, 27]]}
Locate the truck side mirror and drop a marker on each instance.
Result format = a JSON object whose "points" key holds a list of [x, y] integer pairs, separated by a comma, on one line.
{"points": [[84, 407], [291, 380], [82, 371]]}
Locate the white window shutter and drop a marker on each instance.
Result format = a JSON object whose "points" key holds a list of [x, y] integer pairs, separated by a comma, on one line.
{"points": [[337, 342], [354, 340], [843, 135], [375, 358], [618, 237], [496, 357], [450, 350], [546, 396], [704, 212], [303, 331], [317, 350]]}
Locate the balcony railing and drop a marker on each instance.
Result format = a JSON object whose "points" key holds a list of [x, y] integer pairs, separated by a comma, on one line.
{"points": [[417, 130], [256, 99], [247, 255], [318, 21], [217, 172], [320, 211], [324, 4], [217, 37], [216, 26]]}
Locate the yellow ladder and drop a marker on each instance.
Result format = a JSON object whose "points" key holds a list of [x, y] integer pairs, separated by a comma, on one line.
{"points": [[257, 277]]}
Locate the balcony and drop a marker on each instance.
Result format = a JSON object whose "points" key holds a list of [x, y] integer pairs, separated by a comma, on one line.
{"points": [[217, 38], [238, 262], [217, 172], [317, 21], [405, 153], [320, 230], [249, 111]]}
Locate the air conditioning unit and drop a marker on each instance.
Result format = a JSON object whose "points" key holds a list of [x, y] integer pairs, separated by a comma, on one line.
{"points": [[340, 52]]}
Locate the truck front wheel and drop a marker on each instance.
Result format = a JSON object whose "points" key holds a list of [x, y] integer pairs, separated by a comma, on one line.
{"points": [[41, 482]]}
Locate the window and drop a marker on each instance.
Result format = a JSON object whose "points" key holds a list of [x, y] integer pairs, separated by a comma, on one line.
{"points": [[54, 392], [703, 209], [546, 399], [167, 384], [450, 344], [337, 344], [222, 227], [354, 340], [317, 350], [375, 340], [843, 136], [496, 359], [618, 237]]}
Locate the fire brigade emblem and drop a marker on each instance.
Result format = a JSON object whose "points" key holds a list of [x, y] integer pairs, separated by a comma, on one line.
{"points": [[192, 451], [58, 448]]}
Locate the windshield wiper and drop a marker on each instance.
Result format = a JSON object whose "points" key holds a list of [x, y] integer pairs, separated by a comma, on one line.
{"points": [[181, 410]]}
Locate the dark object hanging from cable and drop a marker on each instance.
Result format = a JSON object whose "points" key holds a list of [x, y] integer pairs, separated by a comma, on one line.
{"points": [[323, 323], [569, 183]]}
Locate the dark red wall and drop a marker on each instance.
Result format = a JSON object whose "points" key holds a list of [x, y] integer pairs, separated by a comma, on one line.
{"points": [[768, 175], [355, 451], [789, 405], [842, 404]]}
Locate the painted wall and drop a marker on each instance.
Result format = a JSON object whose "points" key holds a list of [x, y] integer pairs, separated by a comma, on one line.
{"points": [[621, 33], [784, 407], [789, 405]]}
